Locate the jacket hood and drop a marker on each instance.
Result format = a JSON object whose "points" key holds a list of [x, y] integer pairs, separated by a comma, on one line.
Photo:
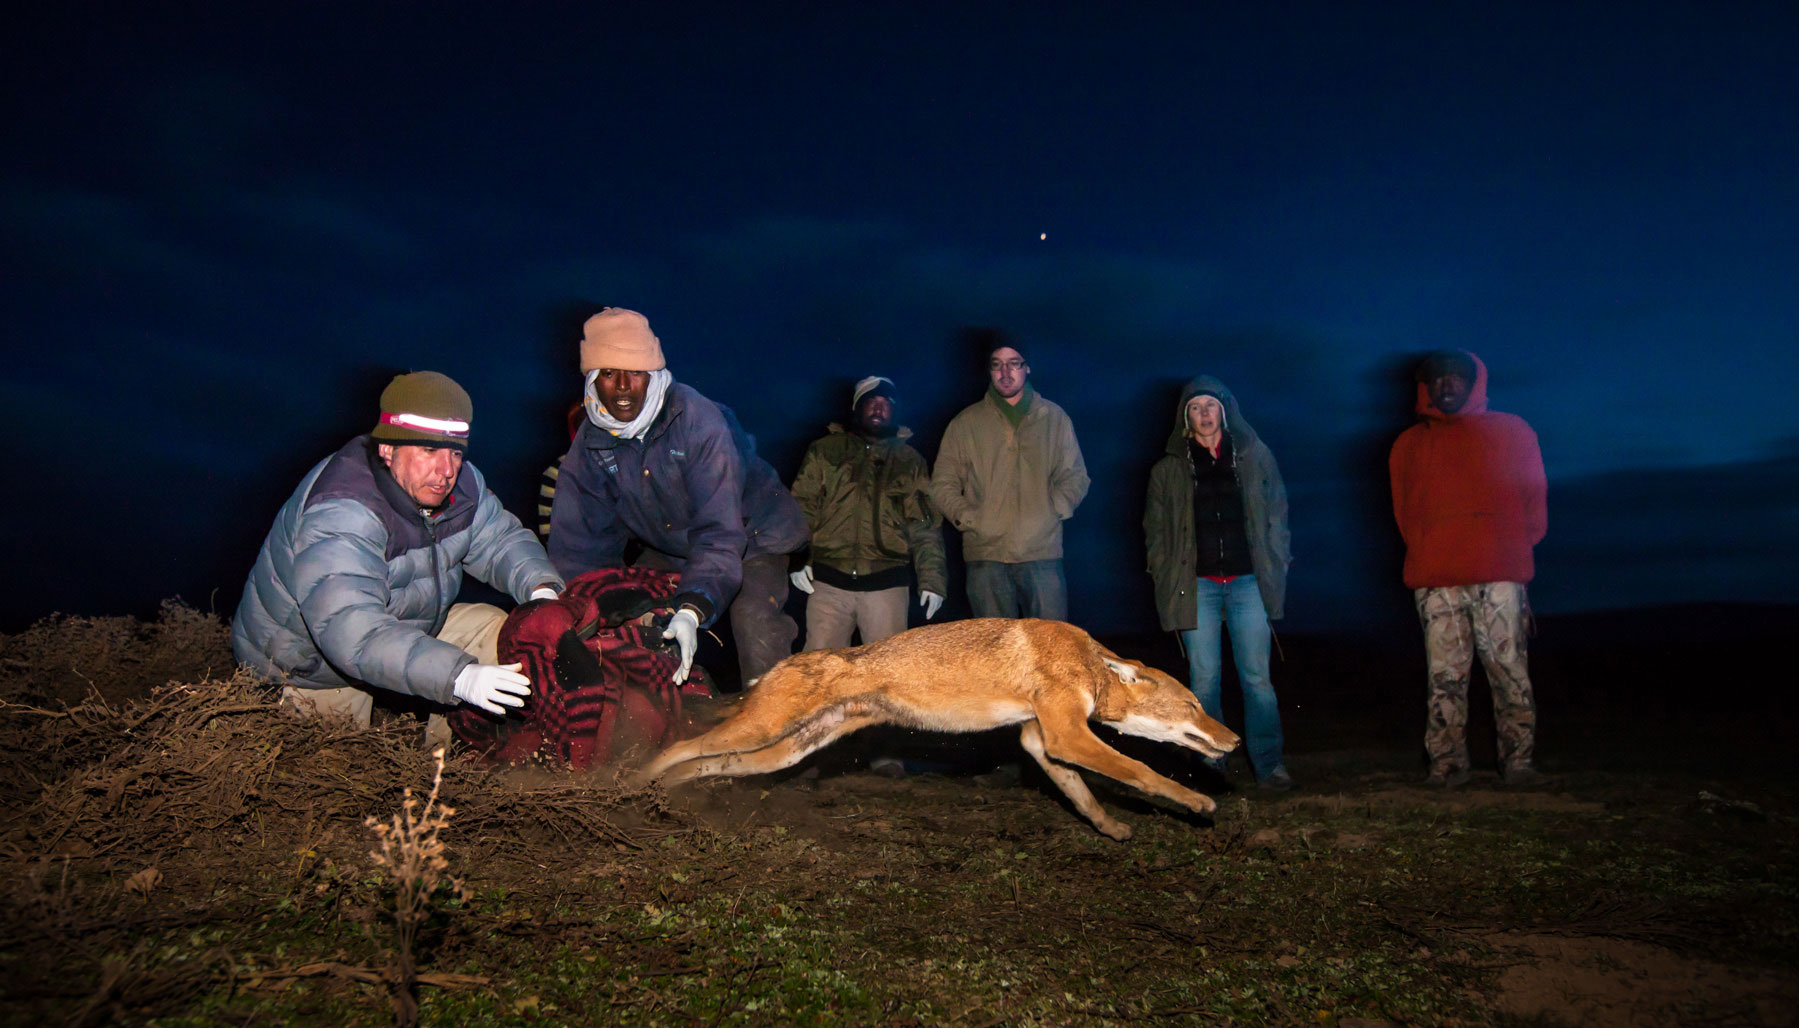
{"points": [[1477, 394], [1234, 422]]}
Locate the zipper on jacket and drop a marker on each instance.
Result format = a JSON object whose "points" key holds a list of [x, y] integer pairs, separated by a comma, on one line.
{"points": [[877, 495], [437, 578]]}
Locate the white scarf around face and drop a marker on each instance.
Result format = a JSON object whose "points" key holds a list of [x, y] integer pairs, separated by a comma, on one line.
{"points": [[652, 406]]}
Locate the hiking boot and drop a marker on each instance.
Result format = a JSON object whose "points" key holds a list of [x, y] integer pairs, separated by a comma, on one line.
{"points": [[1278, 780], [1449, 779], [1523, 777]]}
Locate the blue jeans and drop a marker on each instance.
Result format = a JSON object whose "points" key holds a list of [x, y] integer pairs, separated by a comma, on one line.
{"points": [[1028, 589], [1239, 605]]}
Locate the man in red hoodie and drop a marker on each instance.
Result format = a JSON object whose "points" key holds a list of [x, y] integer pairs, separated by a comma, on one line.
{"points": [[1468, 492]]}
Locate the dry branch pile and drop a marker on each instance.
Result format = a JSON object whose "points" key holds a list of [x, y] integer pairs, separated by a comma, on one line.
{"points": [[140, 792], [62, 661], [197, 785]]}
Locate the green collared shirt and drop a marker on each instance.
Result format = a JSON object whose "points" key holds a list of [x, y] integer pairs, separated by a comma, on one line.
{"points": [[1014, 412]]}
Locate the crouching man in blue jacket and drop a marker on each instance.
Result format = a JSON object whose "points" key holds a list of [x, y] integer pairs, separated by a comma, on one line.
{"points": [[356, 584], [661, 465]]}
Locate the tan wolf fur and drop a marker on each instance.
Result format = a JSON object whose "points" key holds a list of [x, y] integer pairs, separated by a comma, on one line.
{"points": [[1048, 677]]}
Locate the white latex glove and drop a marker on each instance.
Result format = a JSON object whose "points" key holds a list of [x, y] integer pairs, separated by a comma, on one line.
{"points": [[493, 687], [684, 629], [930, 601], [544, 592], [802, 579]]}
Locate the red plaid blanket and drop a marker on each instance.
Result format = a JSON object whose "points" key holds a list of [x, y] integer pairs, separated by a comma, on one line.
{"points": [[595, 665]]}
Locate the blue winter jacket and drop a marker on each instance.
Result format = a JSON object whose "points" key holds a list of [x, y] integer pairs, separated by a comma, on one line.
{"points": [[353, 582], [691, 487]]}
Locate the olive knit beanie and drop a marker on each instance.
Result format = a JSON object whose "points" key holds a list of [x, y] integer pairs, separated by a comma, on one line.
{"points": [[424, 408]]}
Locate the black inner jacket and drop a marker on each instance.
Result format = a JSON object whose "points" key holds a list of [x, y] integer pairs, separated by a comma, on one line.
{"points": [[1218, 525]]}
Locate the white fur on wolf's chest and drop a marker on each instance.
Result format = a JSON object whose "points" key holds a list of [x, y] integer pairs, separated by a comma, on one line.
{"points": [[1155, 728]]}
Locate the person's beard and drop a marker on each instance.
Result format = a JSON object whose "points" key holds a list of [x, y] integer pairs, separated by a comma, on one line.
{"points": [[885, 431]]}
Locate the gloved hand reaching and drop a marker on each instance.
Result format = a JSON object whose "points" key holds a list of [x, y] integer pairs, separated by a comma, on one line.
{"points": [[930, 601], [492, 687], [684, 629], [802, 579]]}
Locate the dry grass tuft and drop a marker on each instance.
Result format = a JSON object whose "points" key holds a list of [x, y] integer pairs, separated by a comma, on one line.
{"points": [[412, 853]]}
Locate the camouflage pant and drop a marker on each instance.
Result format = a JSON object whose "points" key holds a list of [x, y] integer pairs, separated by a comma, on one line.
{"points": [[1460, 620]]}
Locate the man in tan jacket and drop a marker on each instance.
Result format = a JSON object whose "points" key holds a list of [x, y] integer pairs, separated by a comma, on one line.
{"points": [[1008, 474]]}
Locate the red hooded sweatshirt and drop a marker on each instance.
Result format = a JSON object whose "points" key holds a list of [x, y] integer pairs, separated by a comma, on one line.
{"points": [[1468, 493]]}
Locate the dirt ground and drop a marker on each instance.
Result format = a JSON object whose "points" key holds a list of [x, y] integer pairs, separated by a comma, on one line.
{"points": [[184, 855]]}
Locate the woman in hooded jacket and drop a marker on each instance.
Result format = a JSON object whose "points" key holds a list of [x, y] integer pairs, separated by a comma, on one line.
{"points": [[1215, 526]]}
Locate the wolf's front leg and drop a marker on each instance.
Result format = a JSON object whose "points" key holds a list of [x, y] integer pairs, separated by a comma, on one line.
{"points": [[1069, 781], [1071, 741]]}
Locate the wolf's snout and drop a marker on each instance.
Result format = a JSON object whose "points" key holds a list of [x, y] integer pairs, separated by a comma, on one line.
{"points": [[1213, 746]]}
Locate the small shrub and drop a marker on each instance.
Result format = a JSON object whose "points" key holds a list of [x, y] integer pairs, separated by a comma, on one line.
{"points": [[412, 855]]}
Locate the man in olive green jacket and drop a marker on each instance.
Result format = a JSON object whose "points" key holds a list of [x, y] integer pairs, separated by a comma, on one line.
{"points": [[865, 494], [1008, 474]]}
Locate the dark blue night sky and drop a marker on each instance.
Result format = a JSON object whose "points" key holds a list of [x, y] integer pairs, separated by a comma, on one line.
{"points": [[226, 226]]}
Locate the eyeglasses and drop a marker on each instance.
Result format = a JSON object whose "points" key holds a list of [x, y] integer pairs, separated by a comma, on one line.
{"points": [[1014, 364]]}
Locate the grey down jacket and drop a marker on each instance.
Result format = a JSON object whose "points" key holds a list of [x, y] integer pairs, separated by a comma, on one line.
{"points": [[353, 582]]}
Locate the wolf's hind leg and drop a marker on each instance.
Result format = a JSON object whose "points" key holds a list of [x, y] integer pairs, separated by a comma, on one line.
{"points": [[824, 729], [742, 731], [1069, 780]]}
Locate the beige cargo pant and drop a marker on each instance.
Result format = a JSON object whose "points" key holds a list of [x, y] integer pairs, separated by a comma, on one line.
{"points": [[833, 615], [473, 626], [1459, 621]]}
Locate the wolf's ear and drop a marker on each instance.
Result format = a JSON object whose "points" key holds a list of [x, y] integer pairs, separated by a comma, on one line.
{"points": [[1125, 672]]}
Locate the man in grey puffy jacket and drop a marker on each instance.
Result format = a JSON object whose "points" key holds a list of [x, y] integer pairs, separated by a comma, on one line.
{"points": [[355, 587]]}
